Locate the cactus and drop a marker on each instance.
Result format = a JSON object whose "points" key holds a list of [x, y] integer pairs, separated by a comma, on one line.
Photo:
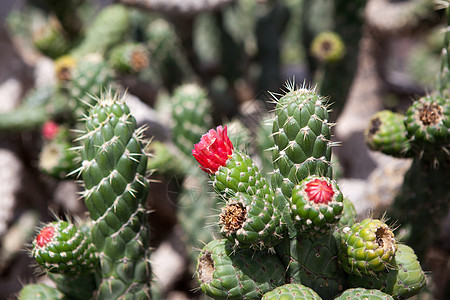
{"points": [[191, 113], [298, 217], [107, 30], [228, 274], [404, 280], [387, 133], [367, 247], [361, 293], [316, 205], [114, 244], [113, 171], [292, 291], [61, 248], [129, 58], [423, 134]]}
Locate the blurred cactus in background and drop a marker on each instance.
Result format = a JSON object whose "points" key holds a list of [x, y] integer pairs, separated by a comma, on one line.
{"points": [[226, 149]]}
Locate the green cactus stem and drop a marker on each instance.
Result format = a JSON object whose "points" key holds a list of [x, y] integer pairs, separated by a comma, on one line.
{"points": [[224, 273], [367, 247], [129, 58], [387, 133], [404, 280], [87, 79], [191, 113], [233, 172], [40, 291], [301, 132], [292, 291], [61, 248], [427, 123], [249, 221], [113, 171], [106, 31], [313, 262], [51, 40], [39, 105], [316, 205], [362, 293]]}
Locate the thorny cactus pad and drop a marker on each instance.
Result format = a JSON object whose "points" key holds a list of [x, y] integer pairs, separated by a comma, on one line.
{"points": [[367, 247]]}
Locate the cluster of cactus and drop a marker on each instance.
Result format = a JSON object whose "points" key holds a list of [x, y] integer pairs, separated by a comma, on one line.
{"points": [[422, 134], [106, 256], [95, 59], [296, 235]]}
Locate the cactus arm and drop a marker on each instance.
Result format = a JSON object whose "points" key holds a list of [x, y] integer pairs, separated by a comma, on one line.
{"points": [[113, 171]]}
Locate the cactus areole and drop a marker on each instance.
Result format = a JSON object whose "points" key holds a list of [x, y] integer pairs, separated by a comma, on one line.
{"points": [[214, 150], [45, 236], [319, 191]]}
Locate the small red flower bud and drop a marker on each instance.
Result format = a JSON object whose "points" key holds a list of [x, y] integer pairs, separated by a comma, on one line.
{"points": [[50, 130], [213, 150], [319, 191], [45, 236]]}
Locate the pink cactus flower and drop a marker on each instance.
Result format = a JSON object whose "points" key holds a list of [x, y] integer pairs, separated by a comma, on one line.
{"points": [[50, 130], [45, 236], [213, 150], [319, 191]]}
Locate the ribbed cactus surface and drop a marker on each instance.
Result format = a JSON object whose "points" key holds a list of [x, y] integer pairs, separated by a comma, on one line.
{"points": [[316, 205], [367, 247], [60, 247], [387, 133], [361, 293], [313, 262], [250, 221], [302, 134], [427, 123], [292, 291], [225, 273], [191, 113], [113, 171]]}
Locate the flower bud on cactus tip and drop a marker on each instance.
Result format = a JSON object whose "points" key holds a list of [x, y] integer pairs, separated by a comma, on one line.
{"points": [[319, 191], [50, 130], [214, 150], [45, 236]]}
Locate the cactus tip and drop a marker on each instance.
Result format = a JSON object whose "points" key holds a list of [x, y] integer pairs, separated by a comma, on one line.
{"points": [[45, 236], [319, 191]]}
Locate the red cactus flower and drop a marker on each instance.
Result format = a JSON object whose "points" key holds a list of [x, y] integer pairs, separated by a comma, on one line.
{"points": [[319, 191], [213, 150], [45, 236], [50, 130]]}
